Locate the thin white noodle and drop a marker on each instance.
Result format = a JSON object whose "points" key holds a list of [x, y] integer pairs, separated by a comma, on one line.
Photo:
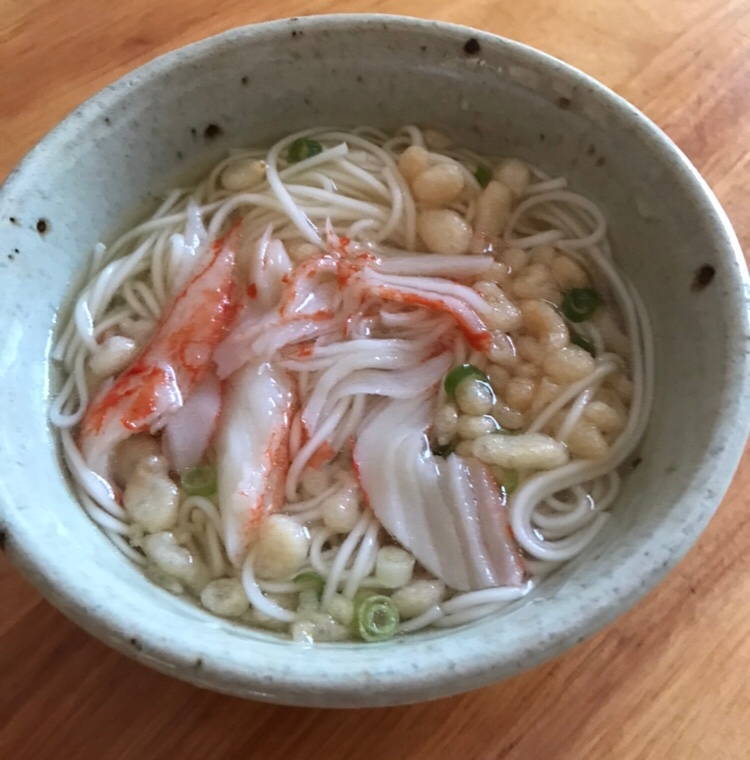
{"points": [[546, 186], [364, 562], [424, 620], [319, 537], [575, 414], [257, 598], [568, 395], [125, 548], [485, 596], [312, 445], [311, 503], [278, 587], [469, 615], [343, 555], [205, 506], [309, 515]]}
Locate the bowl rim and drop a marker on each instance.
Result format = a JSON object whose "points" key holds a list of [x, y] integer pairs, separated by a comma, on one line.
{"points": [[473, 659]]}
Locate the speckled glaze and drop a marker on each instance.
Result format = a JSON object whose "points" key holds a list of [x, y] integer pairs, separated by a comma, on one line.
{"points": [[174, 117]]}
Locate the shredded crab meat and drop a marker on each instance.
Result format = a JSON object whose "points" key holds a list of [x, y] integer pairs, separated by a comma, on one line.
{"points": [[171, 366], [437, 508], [252, 452]]}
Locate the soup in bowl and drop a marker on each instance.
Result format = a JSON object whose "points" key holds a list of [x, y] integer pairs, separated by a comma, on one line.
{"points": [[396, 403]]}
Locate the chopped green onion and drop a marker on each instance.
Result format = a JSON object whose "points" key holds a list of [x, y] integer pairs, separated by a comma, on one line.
{"points": [[581, 342], [311, 580], [483, 175], [459, 374], [579, 304], [199, 480], [303, 148], [443, 451], [510, 481], [358, 600], [376, 618]]}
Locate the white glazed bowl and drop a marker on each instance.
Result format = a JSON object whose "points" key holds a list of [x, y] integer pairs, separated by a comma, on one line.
{"points": [[113, 155]]}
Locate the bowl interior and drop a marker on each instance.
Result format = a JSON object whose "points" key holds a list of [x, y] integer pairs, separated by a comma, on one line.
{"points": [[171, 119]]}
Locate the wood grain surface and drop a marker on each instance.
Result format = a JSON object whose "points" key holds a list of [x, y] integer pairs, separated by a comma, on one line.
{"points": [[669, 681]]}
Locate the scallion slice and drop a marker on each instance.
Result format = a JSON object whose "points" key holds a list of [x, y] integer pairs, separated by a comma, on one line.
{"points": [[303, 148], [376, 618], [199, 480], [483, 175], [312, 580], [579, 304], [510, 481], [459, 374]]}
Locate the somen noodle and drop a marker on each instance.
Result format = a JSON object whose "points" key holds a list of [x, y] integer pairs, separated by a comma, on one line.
{"points": [[356, 384]]}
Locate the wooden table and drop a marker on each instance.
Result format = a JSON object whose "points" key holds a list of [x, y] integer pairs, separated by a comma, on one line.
{"points": [[670, 680]]}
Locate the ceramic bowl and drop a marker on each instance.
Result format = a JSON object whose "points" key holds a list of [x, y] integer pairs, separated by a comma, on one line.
{"points": [[112, 157]]}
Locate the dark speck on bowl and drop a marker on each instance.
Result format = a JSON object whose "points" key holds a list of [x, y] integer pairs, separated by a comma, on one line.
{"points": [[472, 46], [212, 131], [703, 278]]}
